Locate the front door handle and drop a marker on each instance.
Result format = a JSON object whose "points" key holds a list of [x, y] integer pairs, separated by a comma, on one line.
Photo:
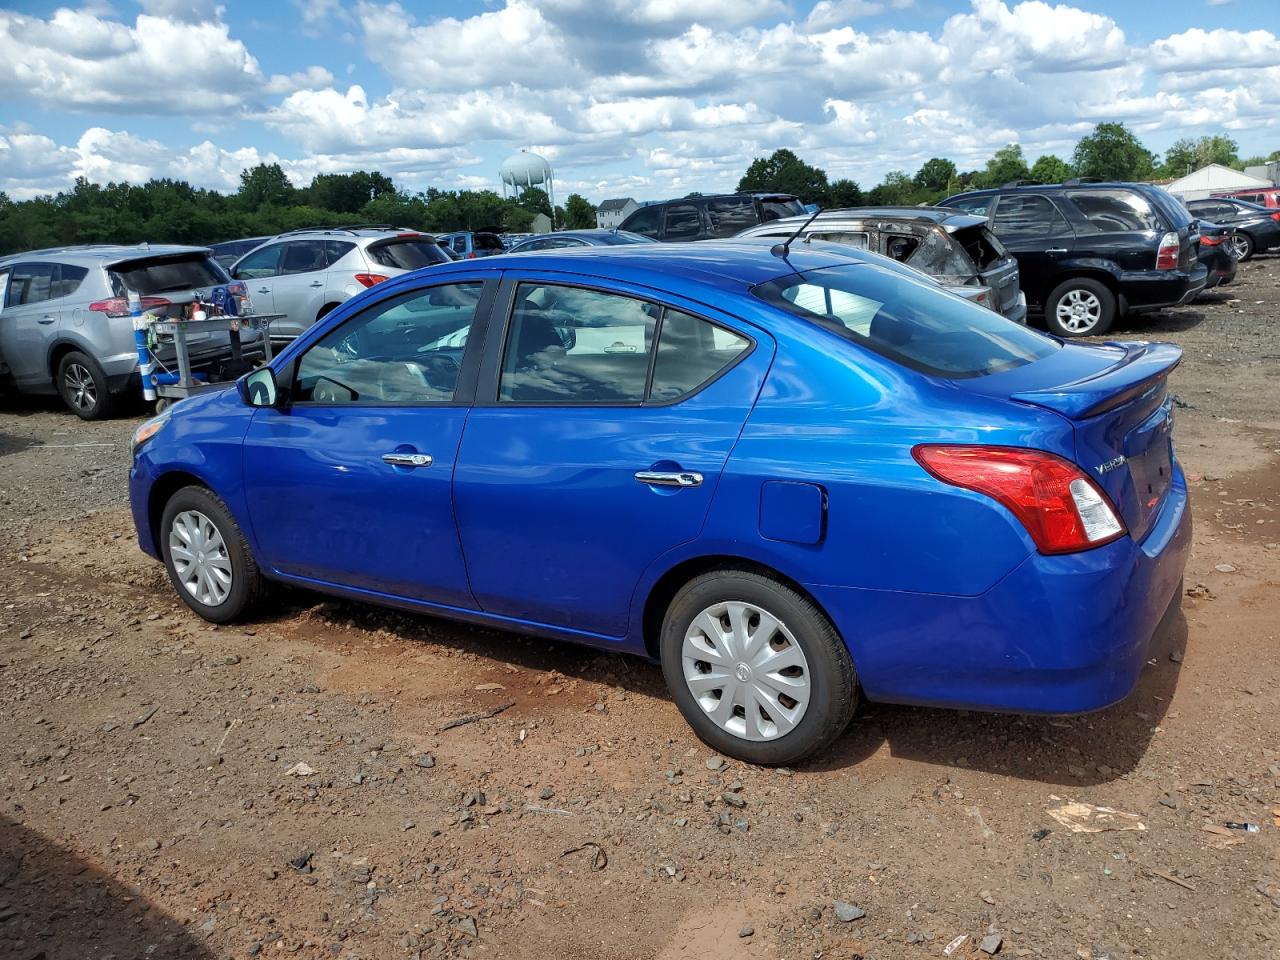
{"points": [[670, 478], [316, 283], [47, 320], [264, 289], [407, 459], [1056, 250]]}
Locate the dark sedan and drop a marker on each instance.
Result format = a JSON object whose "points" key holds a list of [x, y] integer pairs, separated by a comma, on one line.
{"points": [[1216, 253], [1257, 228], [565, 239]]}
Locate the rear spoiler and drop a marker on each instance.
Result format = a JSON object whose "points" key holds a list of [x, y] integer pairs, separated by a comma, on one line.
{"points": [[1143, 366]]}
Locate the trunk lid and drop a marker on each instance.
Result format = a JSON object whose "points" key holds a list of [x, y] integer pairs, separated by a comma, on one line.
{"points": [[1117, 399]]}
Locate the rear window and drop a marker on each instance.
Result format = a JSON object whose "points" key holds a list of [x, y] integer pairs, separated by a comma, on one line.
{"points": [[488, 241], [160, 274], [983, 246], [775, 208], [1115, 211], [409, 253], [939, 255], [907, 320], [728, 215], [1169, 205]]}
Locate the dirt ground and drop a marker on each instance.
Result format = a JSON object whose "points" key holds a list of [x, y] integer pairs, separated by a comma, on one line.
{"points": [[151, 805]]}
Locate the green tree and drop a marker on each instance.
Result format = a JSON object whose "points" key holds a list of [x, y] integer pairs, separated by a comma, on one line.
{"points": [[1190, 154], [1007, 165], [784, 172], [844, 193], [936, 175], [1112, 152], [579, 213], [1050, 169], [265, 185], [347, 192], [536, 200], [897, 189]]}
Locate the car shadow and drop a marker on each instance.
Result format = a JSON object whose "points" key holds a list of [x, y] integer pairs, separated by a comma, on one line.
{"points": [[55, 905], [1170, 321], [11, 444], [1067, 750]]}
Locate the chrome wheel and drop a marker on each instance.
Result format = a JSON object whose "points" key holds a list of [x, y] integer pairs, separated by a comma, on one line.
{"points": [[199, 556], [1079, 311], [81, 387], [1239, 246], [746, 671]]}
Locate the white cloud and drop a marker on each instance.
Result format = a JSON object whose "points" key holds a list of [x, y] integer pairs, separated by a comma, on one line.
{"points": [[837, 13], [190, 11], [1196, 50]]}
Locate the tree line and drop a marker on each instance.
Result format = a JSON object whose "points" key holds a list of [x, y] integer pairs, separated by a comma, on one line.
{"points": [[266, 203], [1110, 152]]}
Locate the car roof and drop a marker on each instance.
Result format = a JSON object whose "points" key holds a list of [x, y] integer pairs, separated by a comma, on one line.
{"points": [[1068, 185], [943, 216], [358, 230], [103, 252]]}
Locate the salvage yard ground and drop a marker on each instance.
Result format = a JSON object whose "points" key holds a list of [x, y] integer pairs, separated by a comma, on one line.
{"points": [[153, 802]]}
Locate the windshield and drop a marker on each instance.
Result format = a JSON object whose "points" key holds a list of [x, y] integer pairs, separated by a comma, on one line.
{"points": [[156, 275], [409, 253], [910, 321]]}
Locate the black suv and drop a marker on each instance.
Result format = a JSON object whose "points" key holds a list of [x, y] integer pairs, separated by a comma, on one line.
{"points": [[710, 218], [1090, 251]]}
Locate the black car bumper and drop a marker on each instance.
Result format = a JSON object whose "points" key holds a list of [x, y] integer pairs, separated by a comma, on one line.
{"points": [[1154, 289], [1221, 266]]}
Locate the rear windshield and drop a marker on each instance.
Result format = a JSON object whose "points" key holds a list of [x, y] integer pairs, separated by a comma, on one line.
{"points": [[775, 208], [939, 255], [488, 241], [908, 320], [1166, 203], [983, 246], [408, 253], [161, 274]]}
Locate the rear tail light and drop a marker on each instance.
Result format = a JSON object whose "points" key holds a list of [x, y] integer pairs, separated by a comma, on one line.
{"points": [[1275, 216], [1061, 507], [119, 306], [369, 279], [1209, 241], [1167, 255]]}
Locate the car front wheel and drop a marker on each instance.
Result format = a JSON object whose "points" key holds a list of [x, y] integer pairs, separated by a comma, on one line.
{"points": [[1080, 307], [205, 553], [756, 668]]}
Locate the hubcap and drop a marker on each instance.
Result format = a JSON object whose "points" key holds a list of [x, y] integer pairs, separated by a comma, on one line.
{"points": [[1079, 311], [80, 386], [200, 557], [1239, 246], [745, 669]]}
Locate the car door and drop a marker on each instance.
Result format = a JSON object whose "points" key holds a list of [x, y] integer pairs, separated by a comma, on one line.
{"points": [[29, 323], [349, 482], [259, 269], [298, 290], [1034, 230], [604, 418]]}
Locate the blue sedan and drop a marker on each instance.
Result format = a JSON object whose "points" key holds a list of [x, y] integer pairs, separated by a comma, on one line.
{"points": [[795, 479]]}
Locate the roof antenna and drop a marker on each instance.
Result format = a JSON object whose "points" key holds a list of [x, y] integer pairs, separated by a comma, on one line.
{"points": [[781, 250]]}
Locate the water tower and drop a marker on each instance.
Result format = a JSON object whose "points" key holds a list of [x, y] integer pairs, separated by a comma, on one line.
{"points": [[523, 170]]}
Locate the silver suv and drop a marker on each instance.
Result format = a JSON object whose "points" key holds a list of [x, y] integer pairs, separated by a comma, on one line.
{"points": [[306, 273], [65, 325]]}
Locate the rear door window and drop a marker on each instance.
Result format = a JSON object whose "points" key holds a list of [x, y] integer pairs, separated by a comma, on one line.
{"points": [[775, 208], [164, 274], [30, 283], [907, 321], [980, 205], [1020, 216], [335, 250], [303, 256], [68, 279], [683, 222], [691, 351], [1115, 211], [729, 215]]}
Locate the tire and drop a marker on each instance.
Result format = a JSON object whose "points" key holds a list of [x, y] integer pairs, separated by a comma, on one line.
{"points": [[83, 387], [1242, 247], [822, 677], [1080, 307], [192, 511]]}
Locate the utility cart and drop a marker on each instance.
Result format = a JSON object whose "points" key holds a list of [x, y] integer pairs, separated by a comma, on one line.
{"points": [[172, 386]]}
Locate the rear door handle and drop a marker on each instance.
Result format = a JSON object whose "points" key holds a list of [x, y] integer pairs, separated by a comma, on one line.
{"points": [[316, 283], [670, 478], [47, 320], [407, 459], [1056, 250], [264, 289]]}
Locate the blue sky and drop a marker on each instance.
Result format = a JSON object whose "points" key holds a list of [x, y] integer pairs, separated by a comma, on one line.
{"points": [[646, 98]]}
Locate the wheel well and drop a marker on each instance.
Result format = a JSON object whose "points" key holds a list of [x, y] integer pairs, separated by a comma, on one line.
{"points": [[161, 491], [59, 351], [1106, 279], [669, 584], [325, 310]]}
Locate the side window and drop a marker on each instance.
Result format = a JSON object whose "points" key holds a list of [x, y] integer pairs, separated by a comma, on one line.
{"points": [[644, 221], [407, 349], [335, 250], [683, 222], [30, 283], [1115, 211], [690, 352], [1028, 215], [570, 345], [260, 264], [69, 278], [728, 215], [980, 206], [859, 239], [302, 256]]}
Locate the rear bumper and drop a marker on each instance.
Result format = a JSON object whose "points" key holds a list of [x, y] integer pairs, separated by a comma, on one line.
{"points": [[1064, 634], [1018, 312], [1155, 289], [1221, 267]]}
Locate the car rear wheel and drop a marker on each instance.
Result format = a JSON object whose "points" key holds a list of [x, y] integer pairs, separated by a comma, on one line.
{"points": [[83, 387], [205, 553], [1241, 245], [1080, 307], [756, 668]]}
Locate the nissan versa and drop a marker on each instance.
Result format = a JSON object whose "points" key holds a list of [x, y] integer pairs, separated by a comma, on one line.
{"points": [[795, 478]]}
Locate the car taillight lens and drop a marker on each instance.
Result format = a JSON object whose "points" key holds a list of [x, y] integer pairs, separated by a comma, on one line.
{"points": [[1209, 241], [1061, 507], [369, 279], [471, 255], [1167, 255], [1275, 216], [119, 306]]}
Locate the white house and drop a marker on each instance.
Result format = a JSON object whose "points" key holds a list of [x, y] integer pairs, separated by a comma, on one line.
{"points": [[1215, 178], [610, 213]]}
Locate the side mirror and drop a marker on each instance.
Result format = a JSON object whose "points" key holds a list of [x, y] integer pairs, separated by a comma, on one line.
{"points": [[259, 388]]}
